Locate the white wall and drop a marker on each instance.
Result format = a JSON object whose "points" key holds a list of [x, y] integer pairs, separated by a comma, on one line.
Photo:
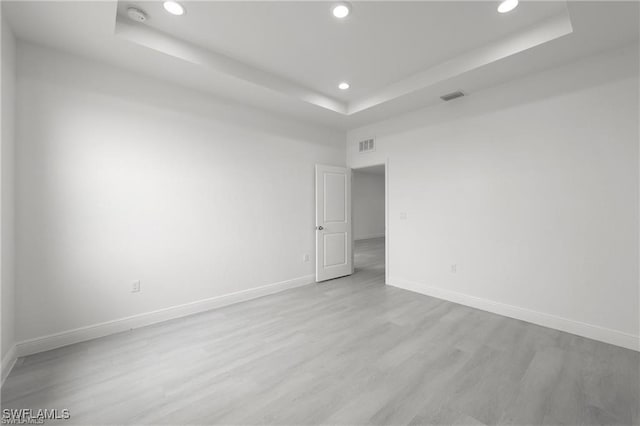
{"points": [[7, 200], [122, 178], [368, 205], [531, 189]]}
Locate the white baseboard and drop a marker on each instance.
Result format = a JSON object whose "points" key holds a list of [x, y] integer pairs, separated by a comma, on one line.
{"points": [[590, 331], [368, 237], [57, 340], [8, 361]]}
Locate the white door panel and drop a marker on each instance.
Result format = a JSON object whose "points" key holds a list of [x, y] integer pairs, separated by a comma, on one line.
{"points": [[334, 197], [333, 222], [335, 249]]}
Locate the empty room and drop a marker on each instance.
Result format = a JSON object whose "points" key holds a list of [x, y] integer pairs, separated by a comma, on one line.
{"points": [[320, 212]]}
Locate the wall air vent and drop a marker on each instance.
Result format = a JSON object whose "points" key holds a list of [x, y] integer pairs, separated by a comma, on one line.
{"points": [[451, 96], [367, 145]]}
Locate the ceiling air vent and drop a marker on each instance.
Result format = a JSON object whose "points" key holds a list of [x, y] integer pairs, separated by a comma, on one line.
{"points": [[451, 96], [367, 145]]}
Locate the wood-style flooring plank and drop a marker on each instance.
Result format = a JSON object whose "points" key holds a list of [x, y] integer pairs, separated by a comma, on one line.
{"points": [[347, 351]]}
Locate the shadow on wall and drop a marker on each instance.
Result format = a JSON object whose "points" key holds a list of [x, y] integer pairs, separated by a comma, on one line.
{"points": [[368, 204], [111, 81]]}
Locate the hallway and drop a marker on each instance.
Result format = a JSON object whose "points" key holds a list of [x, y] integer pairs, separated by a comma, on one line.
{"points": [[369, 254]]}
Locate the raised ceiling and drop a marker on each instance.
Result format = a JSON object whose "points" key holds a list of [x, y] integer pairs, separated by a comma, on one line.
{"points": [[288, 57], [383, 49], [380, 43]]}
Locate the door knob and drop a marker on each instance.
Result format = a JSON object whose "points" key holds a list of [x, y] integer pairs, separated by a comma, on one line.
{"points": [[319, 228]]}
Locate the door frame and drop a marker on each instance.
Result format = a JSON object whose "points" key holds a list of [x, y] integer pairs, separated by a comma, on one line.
{"points": [[386, 214]]}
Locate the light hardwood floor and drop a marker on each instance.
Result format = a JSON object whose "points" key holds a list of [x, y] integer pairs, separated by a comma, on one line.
{"points": [[348, 351]]}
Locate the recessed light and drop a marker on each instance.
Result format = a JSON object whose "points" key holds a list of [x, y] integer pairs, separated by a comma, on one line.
{"points": [[343, 86], [173, 8], [507, 6], [341, 10]]}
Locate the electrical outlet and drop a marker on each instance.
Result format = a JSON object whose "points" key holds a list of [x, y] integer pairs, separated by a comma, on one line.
{"points": [[135, 287], [454, 268], [306, 257], [403, 215]]}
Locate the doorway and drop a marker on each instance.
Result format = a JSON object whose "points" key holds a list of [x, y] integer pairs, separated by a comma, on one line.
{"points": [[369, 194]]}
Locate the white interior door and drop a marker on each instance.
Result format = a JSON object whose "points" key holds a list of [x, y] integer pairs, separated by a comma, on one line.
{"points": [[333, 222]]}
